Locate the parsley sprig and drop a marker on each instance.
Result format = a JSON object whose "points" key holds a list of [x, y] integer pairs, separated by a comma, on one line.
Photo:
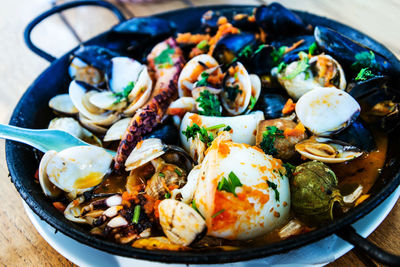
{"points": [[302, 66], [274, 187], [209, 104], [232, 92], [365, 59], [269, 136], [164, 59], [203, 81], [195, 130], [277, 55], [364, 74], [230, 184], [124, 94]]}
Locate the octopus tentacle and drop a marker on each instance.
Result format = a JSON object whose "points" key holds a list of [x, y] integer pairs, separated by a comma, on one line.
{"points": [[165, 91]]}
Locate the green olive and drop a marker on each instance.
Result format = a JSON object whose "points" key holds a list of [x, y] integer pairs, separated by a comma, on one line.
{"points": [[314, 192]]}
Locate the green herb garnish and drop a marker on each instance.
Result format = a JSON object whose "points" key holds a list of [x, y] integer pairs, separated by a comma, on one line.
{"points": [[195, 130], [313, 48], [203, 45], [164, 57], [302, 66], [218, 213], [194, 206], [209, 104], [203, 82], [253, 101], [230, 184], [289, 169], [136, 214], [247, 51], [227, 128], [260, 47], [167, 195], [178, 172], [161, 174], [365, 59], [274, 187], [215, 127], [364, 74], [124, 94], [281, 66], [269, 136], [277, 54], [232, 92]]}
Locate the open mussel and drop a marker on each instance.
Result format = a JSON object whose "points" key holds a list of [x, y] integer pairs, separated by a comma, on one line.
{"points": [[243, 20], [275, 19], [233, 47], [146, 26], [359, 135], [297, 44], [271, 104]]}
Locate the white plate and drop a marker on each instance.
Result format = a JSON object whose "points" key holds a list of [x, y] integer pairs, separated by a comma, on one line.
{"points": [[316, 254]]}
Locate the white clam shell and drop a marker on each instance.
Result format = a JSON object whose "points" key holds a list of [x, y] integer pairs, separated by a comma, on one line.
{"points": [[192, 71], [63, 103], [78, 169], [327, 110], [117, 130], [140, 92], [106, 100], [48, 187], [242, 101], [74, 210], [257, 209], [124, 70], [243, 127], [144, 152], [69, 125], [91, 126]]}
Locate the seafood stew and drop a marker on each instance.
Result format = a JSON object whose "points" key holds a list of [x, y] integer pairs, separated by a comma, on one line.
{"points": [[156, 176]]}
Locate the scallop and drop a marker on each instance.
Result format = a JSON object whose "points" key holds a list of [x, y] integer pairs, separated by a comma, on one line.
{"points": [[327, 111], [192, 71], [257, 203], [63, 104], [327, 150], [123, 70], [244, 127], [78, 169], [323, 71], [237, 89]]}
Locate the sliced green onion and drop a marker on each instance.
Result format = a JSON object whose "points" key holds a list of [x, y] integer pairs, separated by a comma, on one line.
{"points": [[218, 213], [167, 195], [215, 127], [202, 45], [136, 214], [178, 172], [161, 174]]}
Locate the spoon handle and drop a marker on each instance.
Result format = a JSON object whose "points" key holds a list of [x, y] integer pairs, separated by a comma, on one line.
{"points": [[44, 140]]}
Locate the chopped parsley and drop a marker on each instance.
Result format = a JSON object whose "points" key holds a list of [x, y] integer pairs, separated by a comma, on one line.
{"points": [[164, 58], [269, 136], [277, 54], [313, 48], [247, 51], [195, 130], [274, 187], [281, 66], [227, 128], [232, 92], [289, 169], [136, 214], [253, 101], [203, 82], [167, 195], [161, 174], [365, 59], [194, 206], [260, 47], [215, 127], [209, 104], [203, 45], [302, 66], [218, 213], [124, 94], [230, 184], [364, 74], [178, 172]]}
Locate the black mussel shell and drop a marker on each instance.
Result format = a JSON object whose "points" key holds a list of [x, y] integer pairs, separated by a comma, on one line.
{"points": [[167, 132], [275, 20], [289, 41], [96, 56], [271, 104], [147, 26], [345, 49], [358, 135], [261, 62], [231, 46], [209, 20]]}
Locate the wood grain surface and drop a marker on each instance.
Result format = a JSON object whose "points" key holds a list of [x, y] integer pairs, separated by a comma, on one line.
{"points": [[20, 244]]}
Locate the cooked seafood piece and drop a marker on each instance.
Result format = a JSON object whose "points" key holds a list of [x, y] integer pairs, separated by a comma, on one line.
{"points": [[314, 192], [76, 169], [82, 71], [237, 89], [140, 92], [157, 243], [327, 150], [187, 191], [63, 104], [70, 125], [117, 130], [180, 222], [271, 104], [230, 47], [243, 128], [182, 105], [49, 189], [327, 111], [121, 72], [192, 72], [242, 192], [304, 75], [278, 137], [107, 100]]}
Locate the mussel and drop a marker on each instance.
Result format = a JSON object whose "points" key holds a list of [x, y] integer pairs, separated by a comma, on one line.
{"points": [[233, 47], [271, 104]]}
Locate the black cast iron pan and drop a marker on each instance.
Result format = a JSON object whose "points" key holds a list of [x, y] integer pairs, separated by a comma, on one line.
{"points": [[32, 112]]}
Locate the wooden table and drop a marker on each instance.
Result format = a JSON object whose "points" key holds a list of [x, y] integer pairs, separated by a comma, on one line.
{"points": [[20, 244]]}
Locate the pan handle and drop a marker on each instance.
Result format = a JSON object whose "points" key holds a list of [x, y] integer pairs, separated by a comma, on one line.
{"points": [[57, 9], [350, 235]]}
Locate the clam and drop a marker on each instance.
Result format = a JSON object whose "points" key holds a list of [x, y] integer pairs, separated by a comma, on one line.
{"points": [[318, 72], [121, 72], [327, 111], [76, 169], [117, 130], [140, 92], [63, 104], [48, 188], [82, 71], [192, 72], [180, 222], [240, 181], [237, 89], [327, 150]]}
